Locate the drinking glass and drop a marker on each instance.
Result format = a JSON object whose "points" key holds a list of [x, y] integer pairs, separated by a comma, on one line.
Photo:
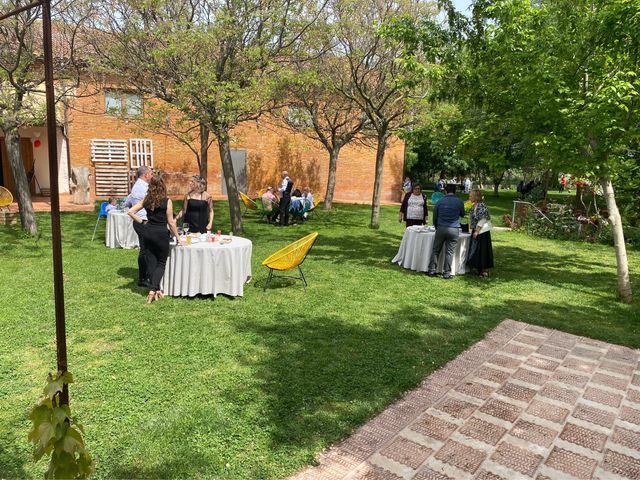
{"points": [[185, 227]]}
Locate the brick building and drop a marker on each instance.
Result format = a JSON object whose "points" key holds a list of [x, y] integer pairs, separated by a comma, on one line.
{"points": [[103, 135]]}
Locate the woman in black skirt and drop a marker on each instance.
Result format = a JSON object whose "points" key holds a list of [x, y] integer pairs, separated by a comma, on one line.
{"points": [[155, 232], [481, 251]]}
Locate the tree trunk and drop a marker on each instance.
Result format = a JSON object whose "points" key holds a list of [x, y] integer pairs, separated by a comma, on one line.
{"points": [[377, 183], [23, 195], [331, 181], [230, 180], [204, 154], [624, 285]]}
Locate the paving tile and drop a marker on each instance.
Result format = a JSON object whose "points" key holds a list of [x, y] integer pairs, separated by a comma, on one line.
{"points": [[602, 396], [531, 376], [560, 394], [636, 380], [484, 431], [518, 349], [504, 361], [533, 433], [570, 378], [551, 351], [626, 438], [461, 456], [621, 464], [517, 392], [633, 395], [543, 477], [610, 381], [572, 463], [550, 412], [621, 368], [580, 365], [427, 473], [433, 427], [502, 410], [622, 354], [406, 452], [529, 339], [455, 407], [630, 415], [375, 472], [594, 415], [586, 353], [492, 374], [561, 339], [516, 458], [486, 475], [542, 363], [584, 437], [477, 390]]}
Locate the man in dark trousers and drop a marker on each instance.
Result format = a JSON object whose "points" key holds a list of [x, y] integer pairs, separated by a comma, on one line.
{"points": [[446, 219], [285, 198]]}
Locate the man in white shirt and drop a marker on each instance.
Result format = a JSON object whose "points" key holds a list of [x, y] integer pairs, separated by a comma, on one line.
{"points": [[138, 192], [285, 198], [308, 200]]}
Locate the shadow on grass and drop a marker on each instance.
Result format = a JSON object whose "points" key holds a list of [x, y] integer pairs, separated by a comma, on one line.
{"points": [[12, 460]]}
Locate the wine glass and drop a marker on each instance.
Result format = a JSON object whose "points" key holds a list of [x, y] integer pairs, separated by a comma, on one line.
{"points": [[185, 227]]}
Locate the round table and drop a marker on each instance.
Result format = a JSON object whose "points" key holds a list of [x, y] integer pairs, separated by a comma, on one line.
{"points": [[120, 232], [208, 268], [416, 247]]}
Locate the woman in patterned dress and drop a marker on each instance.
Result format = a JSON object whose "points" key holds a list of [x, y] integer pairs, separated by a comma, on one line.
{"points": [[481, 251]]}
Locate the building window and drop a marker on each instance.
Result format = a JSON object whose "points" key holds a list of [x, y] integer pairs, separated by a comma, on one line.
{"points": [[119, 103]]}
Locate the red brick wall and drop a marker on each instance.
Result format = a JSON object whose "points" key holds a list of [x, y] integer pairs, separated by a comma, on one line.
{"points": [[269, 151]]}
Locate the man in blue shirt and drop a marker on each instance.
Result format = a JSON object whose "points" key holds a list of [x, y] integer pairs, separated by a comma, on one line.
{"points": [[138, 192], [446, 219]]}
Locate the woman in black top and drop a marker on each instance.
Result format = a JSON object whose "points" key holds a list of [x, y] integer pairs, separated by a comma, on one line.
{"points": [[197, 207], [481, 250], [155, 232]]}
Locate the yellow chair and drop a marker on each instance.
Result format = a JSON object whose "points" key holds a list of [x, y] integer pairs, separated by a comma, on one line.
{"points": [[317, 201], [290, 257], [248, 203]]}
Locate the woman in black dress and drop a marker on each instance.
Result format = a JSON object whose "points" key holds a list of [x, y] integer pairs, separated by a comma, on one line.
{"points": [[481, 251], [155, 232], [197, 207]]}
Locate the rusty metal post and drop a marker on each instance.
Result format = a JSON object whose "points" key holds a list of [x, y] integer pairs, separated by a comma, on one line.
{"points": [[58, 286]]}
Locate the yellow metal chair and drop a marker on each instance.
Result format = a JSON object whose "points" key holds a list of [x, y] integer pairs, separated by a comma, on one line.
{"points": [[317, 201], [248, 203], [290, 257]]}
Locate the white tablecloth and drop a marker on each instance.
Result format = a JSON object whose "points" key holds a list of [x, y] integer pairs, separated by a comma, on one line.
{"points": [[120, 232], [417, 245], [208, 269]]}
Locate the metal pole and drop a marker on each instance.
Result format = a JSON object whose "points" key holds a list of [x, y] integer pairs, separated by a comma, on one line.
{"points": [[58, 287]]}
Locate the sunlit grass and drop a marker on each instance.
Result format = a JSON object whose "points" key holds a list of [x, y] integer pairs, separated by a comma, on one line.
{"points": [[255, 387]]}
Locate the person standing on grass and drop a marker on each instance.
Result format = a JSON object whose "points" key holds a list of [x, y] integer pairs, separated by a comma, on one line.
{"points": [[446, 219], [138, 193], [285, 198], [563, 183], [414, 207], [159, 216], [481, 250]]}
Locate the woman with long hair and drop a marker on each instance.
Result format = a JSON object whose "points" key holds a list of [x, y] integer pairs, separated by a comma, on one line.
{"points": [[155, 232], [413, 210], [197, 207], [481, 250]]}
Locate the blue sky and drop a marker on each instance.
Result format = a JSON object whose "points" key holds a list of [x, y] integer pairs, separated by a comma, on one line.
{"points": [[462, 5]]}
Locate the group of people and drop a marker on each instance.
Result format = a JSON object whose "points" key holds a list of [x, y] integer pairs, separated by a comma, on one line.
{"points": [[286, 202], [153, 221], [446, 219]]}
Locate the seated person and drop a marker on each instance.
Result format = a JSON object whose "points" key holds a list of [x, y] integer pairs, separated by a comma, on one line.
{"points": [[308, 200], [269, 199], [297, 203], [113, 204]]}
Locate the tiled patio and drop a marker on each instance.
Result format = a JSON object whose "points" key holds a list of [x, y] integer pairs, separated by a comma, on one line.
{"points": [[526, 402]]}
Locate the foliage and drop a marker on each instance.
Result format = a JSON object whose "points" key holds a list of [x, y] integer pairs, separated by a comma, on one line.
{"points": [[56, 432]]}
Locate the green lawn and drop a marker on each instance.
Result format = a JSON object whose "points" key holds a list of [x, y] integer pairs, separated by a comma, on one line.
{"points": [[255, 387]]}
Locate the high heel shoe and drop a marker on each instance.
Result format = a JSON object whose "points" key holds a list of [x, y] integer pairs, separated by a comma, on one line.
{"points": [[151, 297]]}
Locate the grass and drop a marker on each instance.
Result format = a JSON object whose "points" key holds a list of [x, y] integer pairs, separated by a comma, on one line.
{"points": [[255, 387]]}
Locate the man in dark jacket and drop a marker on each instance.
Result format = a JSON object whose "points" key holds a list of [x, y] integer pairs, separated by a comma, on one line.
{"points": [[446, 219]]}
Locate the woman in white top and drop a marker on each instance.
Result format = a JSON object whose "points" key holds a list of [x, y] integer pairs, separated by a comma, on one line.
{"points": [[414, 207]]}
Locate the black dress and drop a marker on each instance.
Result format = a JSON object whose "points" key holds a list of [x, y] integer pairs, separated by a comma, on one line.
{"points": [[197, 215], [481, 250], [156, 237]]}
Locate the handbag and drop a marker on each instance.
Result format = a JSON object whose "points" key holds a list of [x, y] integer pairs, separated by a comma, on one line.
{"points": [[485, 226]]}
